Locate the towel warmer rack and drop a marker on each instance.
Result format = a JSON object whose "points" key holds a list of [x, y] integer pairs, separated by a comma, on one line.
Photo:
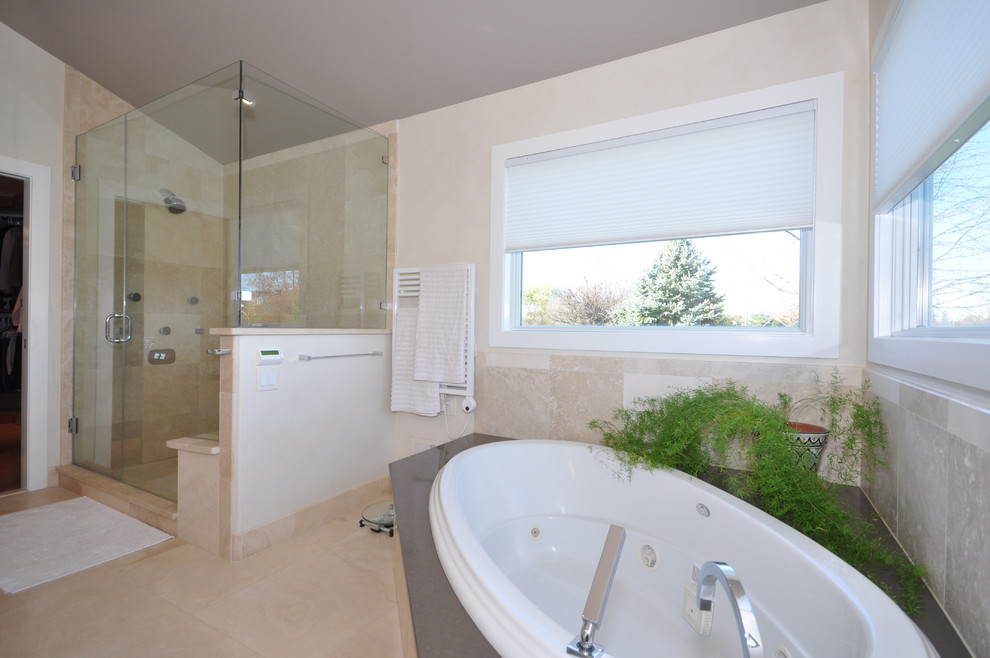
{"points": [[406, 285]]}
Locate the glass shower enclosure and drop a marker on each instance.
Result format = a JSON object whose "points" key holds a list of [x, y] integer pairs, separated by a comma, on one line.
{"points": [[235, 201]]}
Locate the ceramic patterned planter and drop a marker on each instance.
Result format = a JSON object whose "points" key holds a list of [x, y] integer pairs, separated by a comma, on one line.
{"points": [[809, 442]]}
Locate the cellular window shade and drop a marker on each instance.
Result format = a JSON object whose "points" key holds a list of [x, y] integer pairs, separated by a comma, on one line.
{"points": [[932, 73], [751, 175]]}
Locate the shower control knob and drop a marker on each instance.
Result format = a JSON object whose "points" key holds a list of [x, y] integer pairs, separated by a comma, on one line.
{"points": [[165, 331], [134, 296]]}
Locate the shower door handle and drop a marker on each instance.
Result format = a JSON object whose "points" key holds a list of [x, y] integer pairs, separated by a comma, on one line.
{"points": [[127, 327]]}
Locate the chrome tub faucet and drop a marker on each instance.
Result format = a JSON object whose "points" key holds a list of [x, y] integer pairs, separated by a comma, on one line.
{"points": [[749, 632]]}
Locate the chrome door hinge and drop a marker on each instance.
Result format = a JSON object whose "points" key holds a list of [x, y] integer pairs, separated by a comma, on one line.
{"points": [[73, 425], [76, 173]]}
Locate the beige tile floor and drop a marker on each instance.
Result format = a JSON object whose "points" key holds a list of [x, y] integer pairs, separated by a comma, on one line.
{"points": [[329, 592]]}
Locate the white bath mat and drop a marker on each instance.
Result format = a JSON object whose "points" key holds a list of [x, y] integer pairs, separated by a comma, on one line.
{"points": [[44, 543]]}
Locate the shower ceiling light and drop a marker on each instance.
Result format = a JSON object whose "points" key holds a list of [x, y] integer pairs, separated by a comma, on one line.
{"points": [[245, 97]]}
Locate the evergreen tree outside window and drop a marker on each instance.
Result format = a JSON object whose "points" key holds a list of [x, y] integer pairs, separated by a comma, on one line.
{"points": [[678, 290]]}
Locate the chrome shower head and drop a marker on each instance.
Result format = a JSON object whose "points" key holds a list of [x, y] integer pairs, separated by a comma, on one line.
{"points": [[172, 202]]}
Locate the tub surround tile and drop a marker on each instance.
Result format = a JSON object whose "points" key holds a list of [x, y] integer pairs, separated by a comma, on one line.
{"points": [[672, 367], [527, 395], [527, 360], [578, 397], [884, 386], [929, 406], [778, 374], [516, 403], [586, 364], [968, 553], [922, 486], [637, 385], [882, 490], [970, 424], [936, 489]]}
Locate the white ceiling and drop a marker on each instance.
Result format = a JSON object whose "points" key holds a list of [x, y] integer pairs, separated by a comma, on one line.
{"points": [[371, 60]]}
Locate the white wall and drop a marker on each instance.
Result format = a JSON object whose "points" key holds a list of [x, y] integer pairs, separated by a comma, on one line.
{"points": [[325, 430], [32, 90], [444, 157]]}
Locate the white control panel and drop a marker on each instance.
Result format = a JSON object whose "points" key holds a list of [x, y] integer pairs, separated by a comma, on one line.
{"points": [[269, 357], [268, 377]]}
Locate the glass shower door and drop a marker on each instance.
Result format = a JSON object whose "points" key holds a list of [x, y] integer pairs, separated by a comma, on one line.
{"points": [[150, 244], [101, 326]]}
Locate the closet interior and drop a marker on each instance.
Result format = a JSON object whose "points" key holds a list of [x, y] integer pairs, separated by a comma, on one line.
{"points": [[11, 301]]}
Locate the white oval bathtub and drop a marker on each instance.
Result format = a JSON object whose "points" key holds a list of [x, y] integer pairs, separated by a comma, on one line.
{"points": [[519, 527]]}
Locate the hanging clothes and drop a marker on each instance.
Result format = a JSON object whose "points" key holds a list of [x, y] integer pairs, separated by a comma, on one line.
{"points": [[11, 260]]}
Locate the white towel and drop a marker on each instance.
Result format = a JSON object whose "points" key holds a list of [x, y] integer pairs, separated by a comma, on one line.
{"points": [[442, 324], [418, 397]]}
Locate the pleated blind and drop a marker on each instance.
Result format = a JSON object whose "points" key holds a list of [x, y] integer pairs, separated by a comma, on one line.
{"points": [[932, 73], [752, 172]]}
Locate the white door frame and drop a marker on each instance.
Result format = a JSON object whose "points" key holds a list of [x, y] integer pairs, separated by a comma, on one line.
{"points": [[37, 239]]}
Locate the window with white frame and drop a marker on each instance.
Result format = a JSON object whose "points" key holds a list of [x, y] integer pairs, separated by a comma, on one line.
{"points": [[709, 229], [932, 192]]}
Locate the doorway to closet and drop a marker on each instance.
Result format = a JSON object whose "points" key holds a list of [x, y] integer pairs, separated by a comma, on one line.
{"points": [[11, 301]]}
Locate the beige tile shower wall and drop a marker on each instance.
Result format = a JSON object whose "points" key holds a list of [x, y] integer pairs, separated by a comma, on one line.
{"points": [[321, 208], [174, 261], [935, 495]]}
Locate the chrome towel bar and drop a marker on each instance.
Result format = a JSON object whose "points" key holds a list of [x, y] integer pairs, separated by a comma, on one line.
{"points": [[307, 357]]}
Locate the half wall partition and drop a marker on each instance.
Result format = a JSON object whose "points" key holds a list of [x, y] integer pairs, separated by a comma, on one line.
{"points": [[235, 201]]}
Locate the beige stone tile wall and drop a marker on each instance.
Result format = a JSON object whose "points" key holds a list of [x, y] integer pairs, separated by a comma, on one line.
{"points": [[535, 395], [322, 208], [174, 261], [935, 495]]}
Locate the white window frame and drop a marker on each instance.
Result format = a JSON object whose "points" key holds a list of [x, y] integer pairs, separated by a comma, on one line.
{"points": [[899, 291], [819, 336], [951, 76]]}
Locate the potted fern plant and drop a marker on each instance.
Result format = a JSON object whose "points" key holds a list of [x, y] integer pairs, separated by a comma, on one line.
{"points": [[851, 417]]}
